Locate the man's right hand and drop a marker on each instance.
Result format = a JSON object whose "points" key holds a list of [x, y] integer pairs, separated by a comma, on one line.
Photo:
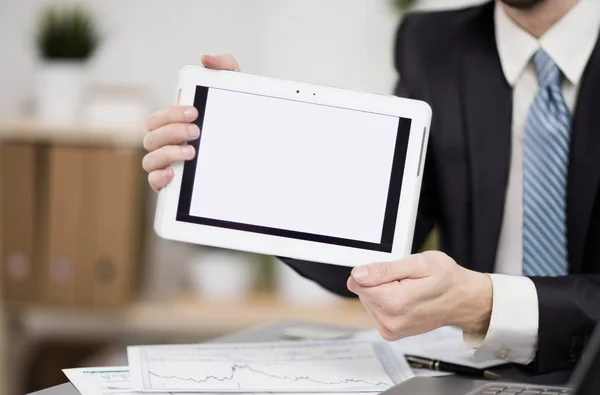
{"points": [[170, 127]]}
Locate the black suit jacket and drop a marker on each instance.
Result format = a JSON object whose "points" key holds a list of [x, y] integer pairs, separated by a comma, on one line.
{"points": [[450, 60]]}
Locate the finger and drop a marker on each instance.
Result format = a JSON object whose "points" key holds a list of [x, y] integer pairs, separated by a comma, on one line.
{"points": [[387, 311], [221, 62], [381, 322], [166, 156], [353, 286], [376, 274], [380, 295], [173, 114], [371, 312], [159, 179], [172, 134]]}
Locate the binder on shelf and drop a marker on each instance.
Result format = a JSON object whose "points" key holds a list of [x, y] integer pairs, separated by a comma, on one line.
{"points": [[66, 276], [116, 250], [19, 245]]}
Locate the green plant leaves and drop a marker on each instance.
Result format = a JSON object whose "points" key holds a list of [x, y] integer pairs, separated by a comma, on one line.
{"points": [[66, 34]]}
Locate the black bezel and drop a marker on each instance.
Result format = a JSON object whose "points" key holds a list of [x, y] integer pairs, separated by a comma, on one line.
{"points": [[391, 211]]}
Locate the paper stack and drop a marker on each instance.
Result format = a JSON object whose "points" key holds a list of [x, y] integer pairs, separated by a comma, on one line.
{"points": [[362, 364], [276, 367]]}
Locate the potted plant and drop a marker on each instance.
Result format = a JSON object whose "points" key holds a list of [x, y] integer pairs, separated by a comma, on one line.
{"points": [[66, 39]]}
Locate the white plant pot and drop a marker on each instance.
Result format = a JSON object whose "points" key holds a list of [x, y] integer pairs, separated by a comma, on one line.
{"points": [[224, 275], [296, 289], [59, 90]]}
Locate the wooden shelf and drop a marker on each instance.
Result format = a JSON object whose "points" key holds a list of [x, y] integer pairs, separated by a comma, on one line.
{"points": [[184, 317], [30, 130]]}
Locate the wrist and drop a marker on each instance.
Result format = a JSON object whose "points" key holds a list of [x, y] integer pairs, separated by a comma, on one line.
{"points": [[477, 301]]}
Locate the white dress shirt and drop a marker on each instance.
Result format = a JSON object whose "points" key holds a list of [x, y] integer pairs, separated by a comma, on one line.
{"points": [[513, 330]]}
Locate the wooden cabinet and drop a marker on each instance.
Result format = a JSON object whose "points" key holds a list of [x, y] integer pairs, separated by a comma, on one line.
{"points": [[71, 218]]}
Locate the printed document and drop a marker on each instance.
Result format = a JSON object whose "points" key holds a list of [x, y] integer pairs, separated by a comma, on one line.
{"points": [[102, 381], [292, 366], [116, 380]]}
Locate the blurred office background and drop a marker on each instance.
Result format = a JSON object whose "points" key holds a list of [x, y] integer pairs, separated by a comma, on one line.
{"points": [[82, 272]]}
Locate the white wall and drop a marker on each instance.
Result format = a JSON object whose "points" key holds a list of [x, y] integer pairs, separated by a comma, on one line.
{"points": [[339, 42], [346, 43]]}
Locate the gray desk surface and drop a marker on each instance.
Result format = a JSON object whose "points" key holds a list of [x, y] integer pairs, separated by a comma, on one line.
{"points": [[274, 332]]}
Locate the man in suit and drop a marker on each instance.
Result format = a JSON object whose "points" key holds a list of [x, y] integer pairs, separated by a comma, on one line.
{"points": [[511, 181]]}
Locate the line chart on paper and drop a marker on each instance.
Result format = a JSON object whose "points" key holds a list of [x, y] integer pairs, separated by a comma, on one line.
{"points": [[306, 366]]}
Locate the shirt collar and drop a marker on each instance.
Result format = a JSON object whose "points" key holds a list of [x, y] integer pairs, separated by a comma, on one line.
{"points": [[570, 42]]}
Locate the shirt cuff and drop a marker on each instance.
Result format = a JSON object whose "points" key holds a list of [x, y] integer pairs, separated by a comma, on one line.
{"points": [[513, 331]]}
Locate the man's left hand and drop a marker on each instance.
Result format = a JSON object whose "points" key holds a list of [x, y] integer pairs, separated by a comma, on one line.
{"points": [[421, 293]]}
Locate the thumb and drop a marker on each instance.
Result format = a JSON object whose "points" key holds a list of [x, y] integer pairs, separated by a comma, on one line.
{"points": [[413, 266], [221, 62]]}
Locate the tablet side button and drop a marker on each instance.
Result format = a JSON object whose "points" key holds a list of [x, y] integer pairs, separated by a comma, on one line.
{"points": [[422, 152]]}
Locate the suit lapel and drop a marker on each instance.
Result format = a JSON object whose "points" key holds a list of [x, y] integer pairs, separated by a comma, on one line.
{"points": [[487, 102], [584, 166]]}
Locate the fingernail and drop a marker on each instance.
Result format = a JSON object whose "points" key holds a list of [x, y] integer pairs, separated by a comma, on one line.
{"points": [[360, 273], [167, 173], [187, 151], [193, 131], [190, 113]]}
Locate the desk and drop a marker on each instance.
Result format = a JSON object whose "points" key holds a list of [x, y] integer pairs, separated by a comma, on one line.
{"points": [[273, 332]]}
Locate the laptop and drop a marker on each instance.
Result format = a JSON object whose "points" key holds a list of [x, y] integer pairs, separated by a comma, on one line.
{"points": [[585, 380]]}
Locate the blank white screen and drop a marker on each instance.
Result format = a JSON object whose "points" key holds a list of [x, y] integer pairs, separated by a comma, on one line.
{"points": [[295, 166]]}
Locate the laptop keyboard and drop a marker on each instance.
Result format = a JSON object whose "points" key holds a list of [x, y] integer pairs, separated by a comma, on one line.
{"points": [[516, 389]]}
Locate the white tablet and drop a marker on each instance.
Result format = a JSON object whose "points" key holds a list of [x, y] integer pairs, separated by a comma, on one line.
{"points": [[297, 170]]}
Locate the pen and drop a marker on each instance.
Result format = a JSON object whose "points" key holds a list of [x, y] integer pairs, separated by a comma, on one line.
{"points": [[432, 364]]}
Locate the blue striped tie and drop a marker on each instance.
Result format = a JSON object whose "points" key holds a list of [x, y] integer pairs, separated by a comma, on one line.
{"points": [[545, 165]]}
